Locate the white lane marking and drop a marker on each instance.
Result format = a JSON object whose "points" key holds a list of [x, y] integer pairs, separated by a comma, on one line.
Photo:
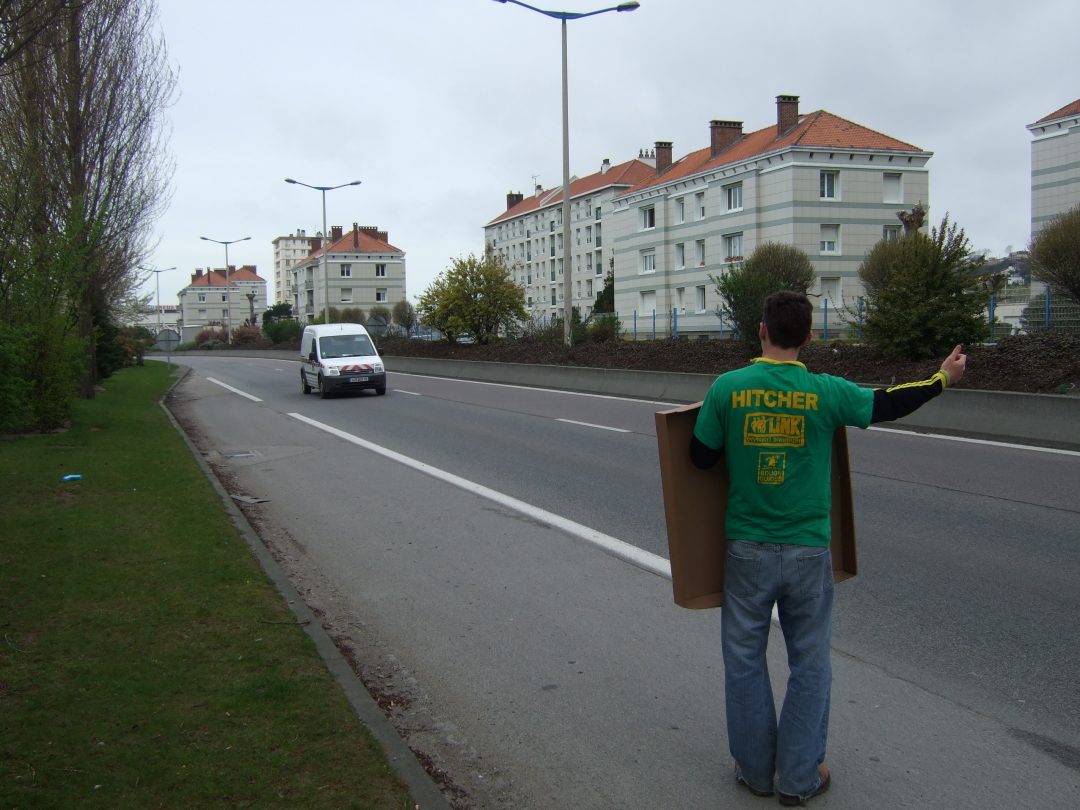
{"points": [[645, 560], [410, 393], [535, 388], [590, 424], [987, 442], [234, 390]]}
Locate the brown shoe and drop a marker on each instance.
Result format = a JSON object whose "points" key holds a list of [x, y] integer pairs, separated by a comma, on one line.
{"points": [[793, 800]]}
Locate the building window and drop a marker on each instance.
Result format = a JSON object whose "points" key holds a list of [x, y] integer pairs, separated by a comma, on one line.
{"points": [[733, 197], [680, 294], [699, 295], [346, 295], [588, 288], [829, 185], [553, 296], [380, 295], [648, 261], [733, 247], [699, 247], [202, 314], [699, 200], [680, 211], [892, 188], [830, 291], [680, 255], [202, 298], [830, 239], [648, 217], [346, 270], [380, 269], [890, 232], [648, 302]]}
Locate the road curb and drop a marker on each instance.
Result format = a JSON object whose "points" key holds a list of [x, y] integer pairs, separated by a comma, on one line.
{"points": [[425, 793]]}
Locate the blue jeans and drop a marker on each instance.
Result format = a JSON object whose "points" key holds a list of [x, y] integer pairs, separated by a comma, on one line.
{"points": [[799, 580]]}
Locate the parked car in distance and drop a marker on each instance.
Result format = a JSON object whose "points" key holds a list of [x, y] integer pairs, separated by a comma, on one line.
{"points": [[339, 357]]}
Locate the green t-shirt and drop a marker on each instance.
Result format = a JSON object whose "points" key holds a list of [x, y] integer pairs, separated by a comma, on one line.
{"points": [[775, 422]]}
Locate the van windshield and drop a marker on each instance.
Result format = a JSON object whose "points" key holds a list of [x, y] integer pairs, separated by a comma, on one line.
{"points": [[345, 346]]}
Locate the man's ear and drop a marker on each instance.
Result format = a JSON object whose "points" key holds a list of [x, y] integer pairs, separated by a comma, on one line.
{"points": [[809, 338], [762, 332]]}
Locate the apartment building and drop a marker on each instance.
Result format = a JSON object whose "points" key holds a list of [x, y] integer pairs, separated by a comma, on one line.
{"points": [[1055, 164], [288, 250], [824, 184], [210, 300], [528, 236], [362, 269]]}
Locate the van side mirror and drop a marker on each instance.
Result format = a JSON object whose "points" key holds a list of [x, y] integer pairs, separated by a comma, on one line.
{"points": [[311, 356]]}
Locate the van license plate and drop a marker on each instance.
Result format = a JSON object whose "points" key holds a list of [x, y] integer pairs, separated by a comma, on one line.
{"points": [[358, 379]]}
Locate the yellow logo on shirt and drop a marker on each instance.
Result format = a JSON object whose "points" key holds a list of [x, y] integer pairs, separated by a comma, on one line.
{"points": [[771, 466], [774, 430]]}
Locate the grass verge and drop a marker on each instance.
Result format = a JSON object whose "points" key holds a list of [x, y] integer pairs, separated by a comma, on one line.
{"points": [[145, 659]]}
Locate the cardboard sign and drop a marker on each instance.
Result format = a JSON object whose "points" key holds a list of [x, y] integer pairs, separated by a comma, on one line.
{"points": [[695, 501]]}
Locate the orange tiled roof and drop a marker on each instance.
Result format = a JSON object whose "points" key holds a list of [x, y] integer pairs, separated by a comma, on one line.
{"points": [[368, 243], [625, 174], [216, 277], [818, 130], [1064, 112]]}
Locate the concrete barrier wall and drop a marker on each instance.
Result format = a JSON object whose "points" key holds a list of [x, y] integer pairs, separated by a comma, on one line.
{"points": [[1046, 419]]}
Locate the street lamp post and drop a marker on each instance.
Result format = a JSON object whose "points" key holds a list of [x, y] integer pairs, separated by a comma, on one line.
{"points": [[563, 16], [326, 239], [228, 290], [157, 284]]}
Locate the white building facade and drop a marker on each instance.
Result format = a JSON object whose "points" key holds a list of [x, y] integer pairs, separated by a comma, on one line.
{"points": [[211, 301], [361, 270], [288, 250], [830, 187], [1055, 164], [528, 236]]}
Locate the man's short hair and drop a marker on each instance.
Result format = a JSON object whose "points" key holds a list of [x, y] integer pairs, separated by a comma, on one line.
{"points": [[787, 317]]}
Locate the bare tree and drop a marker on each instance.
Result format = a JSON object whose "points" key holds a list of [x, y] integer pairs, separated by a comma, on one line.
{"points": [[88, 96], [23, 21]]}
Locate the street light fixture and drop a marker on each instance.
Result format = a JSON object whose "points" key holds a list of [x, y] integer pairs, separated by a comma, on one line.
{"points": [[326, 239], [563, 16], [157, 283], [228, 290]]}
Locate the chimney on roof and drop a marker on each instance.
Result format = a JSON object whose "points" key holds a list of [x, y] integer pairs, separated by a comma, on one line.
{"points": [[513, 199], [605, 166], [355, 236], [197, 274], [723, 134], [316, 244], [335, 233], [539, 190], [787, 113], [373, 230], [663, 155]]}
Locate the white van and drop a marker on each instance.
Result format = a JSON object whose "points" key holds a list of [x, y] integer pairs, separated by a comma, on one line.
{"points": [[339, 357]]}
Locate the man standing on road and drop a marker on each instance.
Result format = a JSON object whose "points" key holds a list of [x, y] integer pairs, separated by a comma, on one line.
{"points": [[773, 421]]}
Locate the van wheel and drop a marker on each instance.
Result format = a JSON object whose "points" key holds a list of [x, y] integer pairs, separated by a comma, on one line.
{"points": [[304, 387], [381, 390], [323, 393]]}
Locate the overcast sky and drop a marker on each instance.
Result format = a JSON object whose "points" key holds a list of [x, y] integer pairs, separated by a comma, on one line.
{"points": [[441, 107]]}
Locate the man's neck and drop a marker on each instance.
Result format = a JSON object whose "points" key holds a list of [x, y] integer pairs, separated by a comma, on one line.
{"points": [[779, 355]]}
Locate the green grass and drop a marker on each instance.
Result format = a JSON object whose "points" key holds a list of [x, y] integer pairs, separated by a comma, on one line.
{"points": [[145, 659]]}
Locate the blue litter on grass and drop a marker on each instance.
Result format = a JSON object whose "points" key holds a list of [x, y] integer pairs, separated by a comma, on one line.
{"points": [[71, 478]]}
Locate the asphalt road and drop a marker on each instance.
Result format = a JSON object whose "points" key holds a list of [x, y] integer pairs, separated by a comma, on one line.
{"points": [[544, 673]]}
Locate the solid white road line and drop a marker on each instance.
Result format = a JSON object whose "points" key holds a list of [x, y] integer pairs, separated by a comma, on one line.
{"points": [[987, 442], [234, 390], [410, 393], [590, 424], [645, 560]]}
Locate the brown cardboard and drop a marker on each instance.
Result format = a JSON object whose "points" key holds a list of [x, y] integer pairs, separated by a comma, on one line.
{"points": [[695, 501]]}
